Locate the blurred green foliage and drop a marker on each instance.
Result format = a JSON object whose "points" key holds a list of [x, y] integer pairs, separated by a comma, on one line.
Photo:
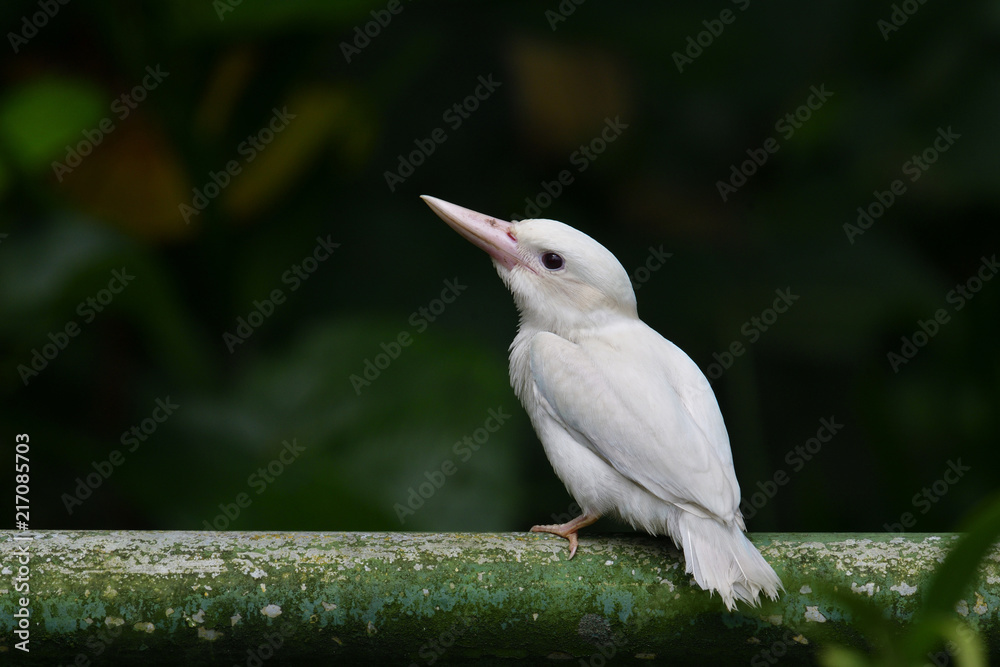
{"points": [[935, 635], [80, 202]]}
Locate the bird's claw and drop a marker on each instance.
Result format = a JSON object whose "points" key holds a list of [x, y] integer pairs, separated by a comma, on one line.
{"points": [[568, 530], [560, 530]]}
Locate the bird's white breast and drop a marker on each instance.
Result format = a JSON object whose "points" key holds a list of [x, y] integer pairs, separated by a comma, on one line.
{"points": [[674, 383]]}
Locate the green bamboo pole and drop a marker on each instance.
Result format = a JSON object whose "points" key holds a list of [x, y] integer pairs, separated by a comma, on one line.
{"points": [[408, 598]]}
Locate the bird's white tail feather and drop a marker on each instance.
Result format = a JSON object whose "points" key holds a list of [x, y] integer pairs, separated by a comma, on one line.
{"points": [[722, 559]]}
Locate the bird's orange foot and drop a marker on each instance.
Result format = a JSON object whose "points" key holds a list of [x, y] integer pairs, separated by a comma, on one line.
{"points": [[559, 529], [568, 530]]}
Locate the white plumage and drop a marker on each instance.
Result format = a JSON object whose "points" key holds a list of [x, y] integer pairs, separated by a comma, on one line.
{"points": [[628, 421]]}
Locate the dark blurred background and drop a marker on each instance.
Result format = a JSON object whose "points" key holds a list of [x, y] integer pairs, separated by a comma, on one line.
{"points": [[222, 303]]}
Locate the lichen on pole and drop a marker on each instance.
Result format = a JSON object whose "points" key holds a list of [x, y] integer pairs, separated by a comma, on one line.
{"points": [[430, 598]]}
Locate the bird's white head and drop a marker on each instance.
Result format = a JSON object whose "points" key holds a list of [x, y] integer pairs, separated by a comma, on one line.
{"points": [[562, 280]]}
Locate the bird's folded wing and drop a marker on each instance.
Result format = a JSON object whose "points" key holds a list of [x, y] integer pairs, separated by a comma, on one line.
{"points": [[622, 400]]}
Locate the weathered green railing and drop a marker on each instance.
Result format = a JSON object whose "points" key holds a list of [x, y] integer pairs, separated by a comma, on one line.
{"points": [[404, 598]]}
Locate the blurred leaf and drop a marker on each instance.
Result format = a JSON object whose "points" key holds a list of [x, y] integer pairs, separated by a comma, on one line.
{"points": [[969, 649], [869, 620], [952, 581], [38, 268], [134, 180], [936, 619], [305, 126], [837, 656], [233, 70], [364, 454], [47, 275], [960, 568], [39, 118], [564, 93]]}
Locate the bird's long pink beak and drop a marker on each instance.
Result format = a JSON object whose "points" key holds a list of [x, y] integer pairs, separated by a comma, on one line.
{"points": [[491, 234]]}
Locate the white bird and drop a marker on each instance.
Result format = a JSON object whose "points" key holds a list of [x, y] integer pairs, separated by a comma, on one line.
{"points": [[628, 421]]}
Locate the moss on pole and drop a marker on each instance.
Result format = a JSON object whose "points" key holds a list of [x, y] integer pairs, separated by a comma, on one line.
{"points": [[410, 598]]}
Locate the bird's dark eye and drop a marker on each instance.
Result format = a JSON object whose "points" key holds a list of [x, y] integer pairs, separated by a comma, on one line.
{"points": [[552, 261]]}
